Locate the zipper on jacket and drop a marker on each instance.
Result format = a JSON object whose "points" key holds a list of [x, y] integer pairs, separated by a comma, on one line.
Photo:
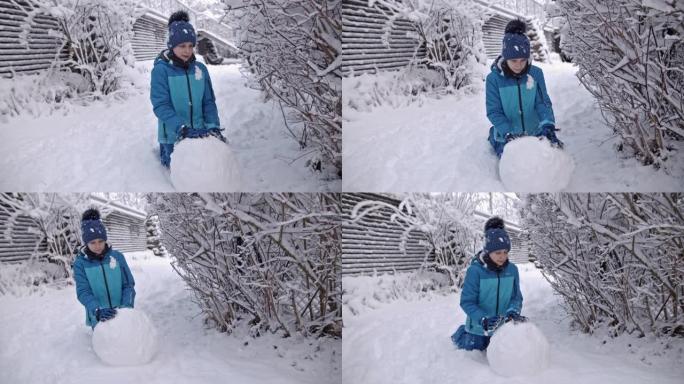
{"points": [[498, 283], [522, 115], [187, 77], [107, 285]]}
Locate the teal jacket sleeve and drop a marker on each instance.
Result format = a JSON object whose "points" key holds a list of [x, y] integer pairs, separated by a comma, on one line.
{"points": [[542, 103], [209, 110], [470, 294], [128, 284], [516, 297], [83, 291], [495, 112], [160, 96]]}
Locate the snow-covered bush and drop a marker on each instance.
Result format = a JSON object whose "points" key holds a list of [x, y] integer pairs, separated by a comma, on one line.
{"points": [[447, 221], [396, 89], [97, 35], [630, 55], [57, 219], [451, 32], [295, 50], [270, 260], [364, 293], [616, 259]]}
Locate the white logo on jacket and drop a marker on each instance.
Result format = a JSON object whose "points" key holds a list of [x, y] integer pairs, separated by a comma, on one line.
{"points": [[198, 73], [112, 263]]}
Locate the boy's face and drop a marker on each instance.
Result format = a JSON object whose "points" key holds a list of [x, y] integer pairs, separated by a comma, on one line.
{"points": [[499, 257], [183, 51], [96, 246], [516, 65]]}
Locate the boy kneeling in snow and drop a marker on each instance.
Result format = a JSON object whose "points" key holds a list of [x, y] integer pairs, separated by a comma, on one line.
{"points": [[491, 291], [181, 92], [517, 101], [103, 280]]}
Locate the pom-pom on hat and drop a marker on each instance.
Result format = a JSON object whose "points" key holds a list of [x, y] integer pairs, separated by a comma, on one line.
{"points": [[180, 30]]}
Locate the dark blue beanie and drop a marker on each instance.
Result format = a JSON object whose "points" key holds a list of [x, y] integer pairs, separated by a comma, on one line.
{"points": [[92, 227], [516, 45], [496, 237], [180, 30]]}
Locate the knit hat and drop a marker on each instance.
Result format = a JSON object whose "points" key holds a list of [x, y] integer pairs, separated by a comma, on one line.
{"points": [[516, 45], [180, 30], [92, 227], [496, 237]]}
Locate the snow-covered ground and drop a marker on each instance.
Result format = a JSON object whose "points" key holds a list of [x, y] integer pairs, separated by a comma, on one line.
{"points": [[442, 145], [113, 146], [44, 339], [407, 340]]}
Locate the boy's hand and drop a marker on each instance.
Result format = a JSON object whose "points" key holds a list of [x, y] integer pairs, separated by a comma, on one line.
{"points": [[549, 131], [489, 324], [515, 317], [104, 314]]}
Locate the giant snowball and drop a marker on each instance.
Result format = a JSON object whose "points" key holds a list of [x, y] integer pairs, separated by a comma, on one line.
{"points": [[517, 350], [128, 339], [529, 164], [204, 165]]}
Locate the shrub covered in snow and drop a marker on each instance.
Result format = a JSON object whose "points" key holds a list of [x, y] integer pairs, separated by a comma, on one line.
{"points": [[616, 259], [450, 31], [57, 219], [272, 260], [630, 54], [97, 35], [295, 49], [363, 293], [447, 220]]}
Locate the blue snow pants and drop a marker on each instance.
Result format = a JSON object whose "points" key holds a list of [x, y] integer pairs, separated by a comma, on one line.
{"points": [[469, 341], [497, 145], [165, 151]]}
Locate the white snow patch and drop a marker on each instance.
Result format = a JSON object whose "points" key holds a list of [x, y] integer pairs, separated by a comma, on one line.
{"points": [[518, 350], [529, 164], [128, 339], [204, 165]]}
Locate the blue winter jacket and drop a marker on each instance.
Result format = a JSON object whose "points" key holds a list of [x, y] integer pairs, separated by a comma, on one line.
{"points": [[517, 106], [181, 97], [489, 293], [103, 284]]}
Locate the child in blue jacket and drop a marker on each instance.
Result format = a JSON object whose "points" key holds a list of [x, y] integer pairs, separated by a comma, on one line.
{"points": [[103, 280], [517, 101], [181, 92], [491, 291]]}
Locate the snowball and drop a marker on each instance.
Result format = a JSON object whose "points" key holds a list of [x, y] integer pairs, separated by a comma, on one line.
{"points": [[128, 339], [518, 349], [529, 164], [204, 165]]}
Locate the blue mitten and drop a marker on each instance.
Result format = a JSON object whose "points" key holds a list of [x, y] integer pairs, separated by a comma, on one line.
{"points": [[104, 314]]}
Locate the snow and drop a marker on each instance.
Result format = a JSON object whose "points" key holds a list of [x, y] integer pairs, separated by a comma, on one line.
{"points": [[128, 339], [204, 164], [112, 145], [518, 350], [406, 339], [44, 339], [440, 144], [529, 164]]}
